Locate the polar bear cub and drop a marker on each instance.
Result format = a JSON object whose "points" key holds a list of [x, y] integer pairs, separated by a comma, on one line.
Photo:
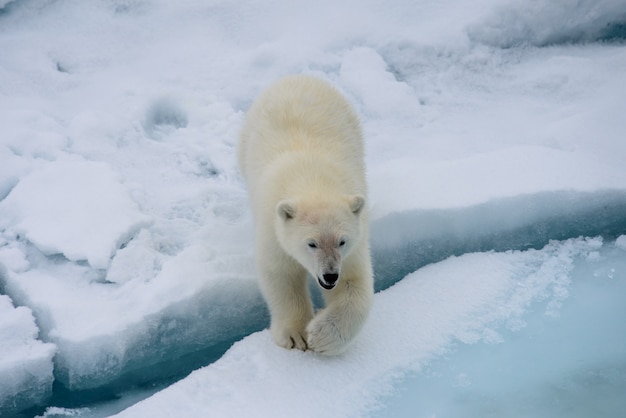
{"points": [[301, 154]]}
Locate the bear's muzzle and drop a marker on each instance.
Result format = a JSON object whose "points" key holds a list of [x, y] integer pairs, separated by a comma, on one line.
{"points": [[328, 281]]}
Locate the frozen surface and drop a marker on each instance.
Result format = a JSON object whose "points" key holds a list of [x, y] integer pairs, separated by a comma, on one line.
{"points": [[565, 362], [74, 208], [404, 241], [540, 23], [106, 329], [475, 300], [124, 225], [25, 361]]}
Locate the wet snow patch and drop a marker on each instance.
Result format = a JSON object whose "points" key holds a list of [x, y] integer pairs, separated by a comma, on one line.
{"points": [[164, 115]]}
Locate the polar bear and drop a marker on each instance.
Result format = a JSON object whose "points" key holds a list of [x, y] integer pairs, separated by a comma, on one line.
{"points": [[301, 154]]}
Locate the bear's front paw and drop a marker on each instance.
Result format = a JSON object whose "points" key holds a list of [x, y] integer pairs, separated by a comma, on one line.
{"points": [[325, 336], [290, 338]]}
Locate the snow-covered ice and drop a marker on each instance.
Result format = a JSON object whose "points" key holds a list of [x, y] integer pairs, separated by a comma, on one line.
{"points": [[467, 299], [67, 208], [124, 227], [542, 23], [568, 361], [25, 363]]}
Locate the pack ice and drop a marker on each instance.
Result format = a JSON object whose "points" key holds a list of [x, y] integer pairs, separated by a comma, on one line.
{"points": [[125, 235], [78, 250], [26, 361]]}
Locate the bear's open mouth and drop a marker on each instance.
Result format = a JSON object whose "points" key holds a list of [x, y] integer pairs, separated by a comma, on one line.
{"points": [[324, 284]]}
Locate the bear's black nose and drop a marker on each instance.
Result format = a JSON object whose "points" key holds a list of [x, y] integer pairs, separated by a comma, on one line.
{"points": [[331, 278]]}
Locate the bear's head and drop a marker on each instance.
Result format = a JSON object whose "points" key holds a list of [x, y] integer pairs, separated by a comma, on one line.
{"points": [[320, 233]]}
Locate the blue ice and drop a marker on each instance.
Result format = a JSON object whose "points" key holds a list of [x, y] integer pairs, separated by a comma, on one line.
{"points": [[569, 363]]}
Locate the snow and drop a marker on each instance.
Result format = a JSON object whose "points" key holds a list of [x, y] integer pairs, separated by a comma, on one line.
{"points": [[169, 305], [77, 209], [621, 242], [465, 299], [563, 362], [543, 23], [26, 362], [124, 224]]}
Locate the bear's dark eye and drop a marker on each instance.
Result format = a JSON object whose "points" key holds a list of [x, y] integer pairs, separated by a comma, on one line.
{"points": [[342, 242], [312, 244]]}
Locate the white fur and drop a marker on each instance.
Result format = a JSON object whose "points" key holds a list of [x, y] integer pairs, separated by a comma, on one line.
{"points": [[301, 153]]}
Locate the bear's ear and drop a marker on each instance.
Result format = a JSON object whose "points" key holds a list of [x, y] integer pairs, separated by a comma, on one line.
{"points": [[286, 209], [356, 202]]}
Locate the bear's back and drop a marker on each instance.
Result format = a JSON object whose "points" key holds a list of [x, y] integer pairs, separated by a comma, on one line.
{"points": [[299, 114]]}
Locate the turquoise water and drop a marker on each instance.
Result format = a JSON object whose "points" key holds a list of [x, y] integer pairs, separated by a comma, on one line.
{"points": [[572, 364]]}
